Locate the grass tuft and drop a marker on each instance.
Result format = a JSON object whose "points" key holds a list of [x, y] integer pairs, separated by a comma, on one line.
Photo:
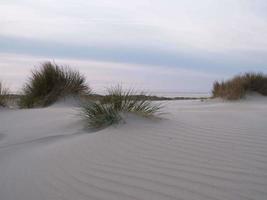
{"points": [[100, 115], [51, 82], [110, 109], [4, 95], [237, 87]]}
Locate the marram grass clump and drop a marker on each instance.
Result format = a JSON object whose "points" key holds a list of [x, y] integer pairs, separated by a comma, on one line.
{"points": [[51, 82], [237, 87], [99, 115], [4, 95], [111, 109]]}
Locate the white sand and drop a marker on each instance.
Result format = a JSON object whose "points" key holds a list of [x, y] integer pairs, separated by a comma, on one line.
{"points": [[202, 150]]}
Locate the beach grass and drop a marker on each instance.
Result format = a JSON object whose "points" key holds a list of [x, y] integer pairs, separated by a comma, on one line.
{"points": [[237, 87], [49, 83], [4, 95], [111, 108]]}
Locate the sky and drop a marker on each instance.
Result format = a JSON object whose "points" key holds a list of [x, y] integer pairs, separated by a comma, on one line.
{"points": [[155, 45]]}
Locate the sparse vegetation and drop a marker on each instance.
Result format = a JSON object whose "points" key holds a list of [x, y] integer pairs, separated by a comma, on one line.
{"points": [[237, 87], [4, 95], [51, 82], [110, 109], [100, 115]]}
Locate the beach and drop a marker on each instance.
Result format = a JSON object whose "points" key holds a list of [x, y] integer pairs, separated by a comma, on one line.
{"points": [[211, 149], [133, 100]]}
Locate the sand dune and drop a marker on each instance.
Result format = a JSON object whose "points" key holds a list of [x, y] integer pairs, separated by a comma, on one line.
{"points": [[200, 150]]}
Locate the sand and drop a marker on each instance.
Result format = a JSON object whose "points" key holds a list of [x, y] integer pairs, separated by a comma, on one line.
{"points": [[200, 150]]}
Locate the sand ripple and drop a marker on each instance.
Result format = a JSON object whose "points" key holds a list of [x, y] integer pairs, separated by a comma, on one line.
{"points": [[201, 151]]}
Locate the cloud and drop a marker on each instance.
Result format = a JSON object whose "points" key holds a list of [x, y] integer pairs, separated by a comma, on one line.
{"points": [[190, 59], [15, 69], [210, 25], [185, 37]]}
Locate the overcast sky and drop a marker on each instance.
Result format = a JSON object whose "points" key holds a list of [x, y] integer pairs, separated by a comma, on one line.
{"points": [[159, 45]]}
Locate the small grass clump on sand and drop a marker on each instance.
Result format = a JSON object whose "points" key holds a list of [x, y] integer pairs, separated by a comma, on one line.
{"points": [[51, 82], [100, 115], [237, 87], [111, 108], [4, 95]]}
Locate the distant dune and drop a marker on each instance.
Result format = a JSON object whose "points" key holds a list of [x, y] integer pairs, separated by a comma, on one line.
{"points": [[199, 150]]}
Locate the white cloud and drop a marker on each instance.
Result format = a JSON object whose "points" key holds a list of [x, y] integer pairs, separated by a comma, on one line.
{"points": [[211, 25]]}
